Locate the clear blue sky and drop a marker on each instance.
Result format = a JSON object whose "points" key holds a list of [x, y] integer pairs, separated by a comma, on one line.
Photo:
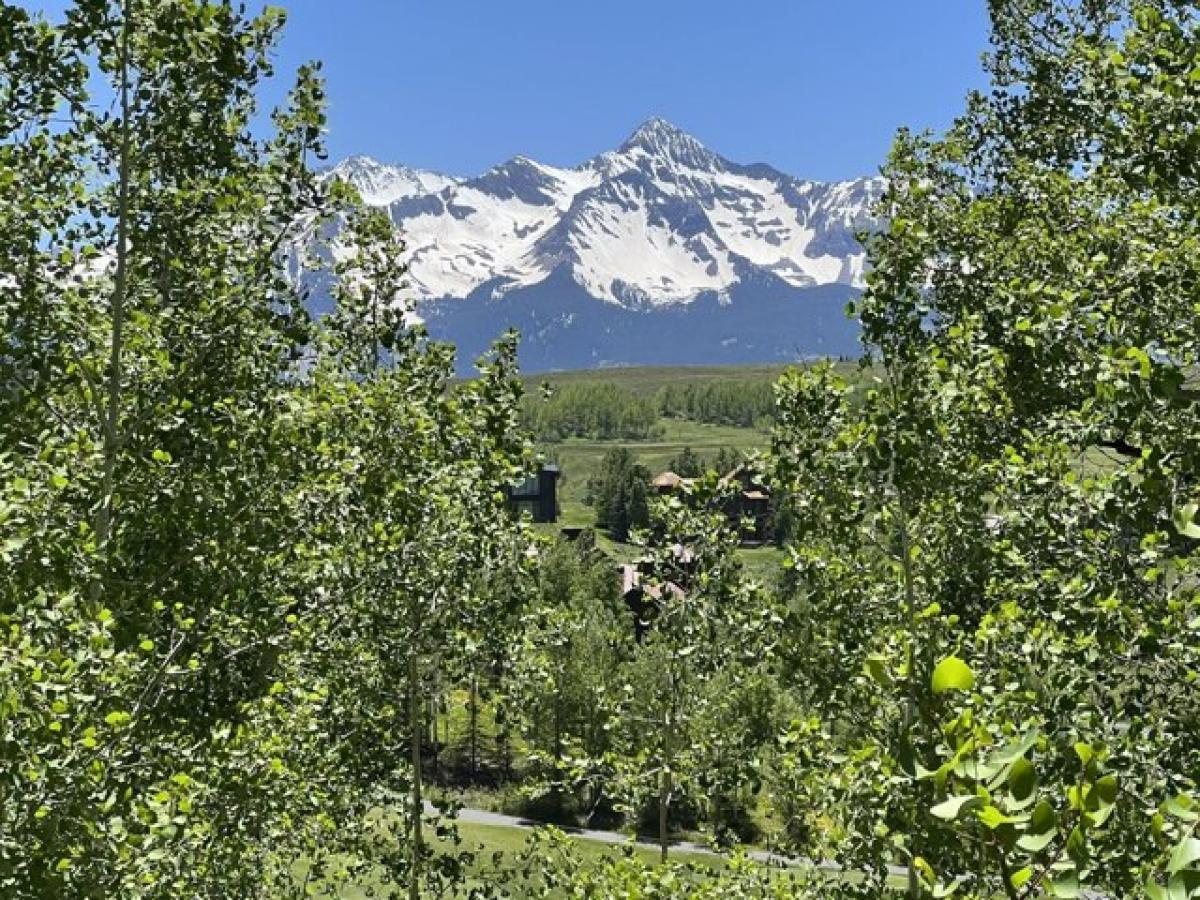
{"points": [[814, 87]]}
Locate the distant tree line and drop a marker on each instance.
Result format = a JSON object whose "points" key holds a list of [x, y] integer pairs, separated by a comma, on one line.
{"points": [[594, 409], [602, 411], [690, 464], [745, 404]]}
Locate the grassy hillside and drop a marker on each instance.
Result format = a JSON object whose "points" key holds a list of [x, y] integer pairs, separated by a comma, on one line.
{"points": [[647, 380], [579, 458]]}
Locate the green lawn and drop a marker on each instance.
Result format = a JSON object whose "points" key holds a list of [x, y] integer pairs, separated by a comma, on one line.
{"points": [[496, 847], [579, 459]]}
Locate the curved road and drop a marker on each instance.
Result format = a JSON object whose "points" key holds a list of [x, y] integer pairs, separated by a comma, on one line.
{"points": [[484, 817]]}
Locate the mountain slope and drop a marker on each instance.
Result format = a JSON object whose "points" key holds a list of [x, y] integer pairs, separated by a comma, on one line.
{"points": [[562, 327], [728, 254]]}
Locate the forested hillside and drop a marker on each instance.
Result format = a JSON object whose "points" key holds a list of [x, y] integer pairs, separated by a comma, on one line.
{"points": [[627, 403], [270, 626]]}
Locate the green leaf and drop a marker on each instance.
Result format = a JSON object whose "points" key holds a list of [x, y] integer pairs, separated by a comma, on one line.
{"points": [[1021, 877], [993, 818], [952, 674], [1101, 798], [1084, 752], [1185, 855], [1065, 886], [876, 668], [1077, 846], [926, 871], [954, 807], [1022, 782], [1182, 807], [1184, 885], [1185, 521], [1042, 829], [947, 889], [1017, 749], [1035, 843]]}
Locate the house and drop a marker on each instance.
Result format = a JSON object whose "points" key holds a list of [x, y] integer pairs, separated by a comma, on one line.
{"points": [[645, 589], [537, 495], [668, 482], [644, 598], [748, 506]]}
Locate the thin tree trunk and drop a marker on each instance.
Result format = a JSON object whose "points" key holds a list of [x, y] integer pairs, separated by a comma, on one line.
{"points": [[112, 411], [664, 803], [664, 809], [557, 726], [416, 729], [558, 743], [665, 785], [502, 745], [474, 703], [431, 717], [445, 723], [910, 605]]}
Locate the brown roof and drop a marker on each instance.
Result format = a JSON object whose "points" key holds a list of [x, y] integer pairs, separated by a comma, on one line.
{"points": [[752, 490], [656, 591], [737, 473], [631, 580], [669, 479]]}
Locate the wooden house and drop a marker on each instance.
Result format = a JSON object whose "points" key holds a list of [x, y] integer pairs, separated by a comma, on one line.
{"points": [[748, 505], [537, 495], [645, 597]]}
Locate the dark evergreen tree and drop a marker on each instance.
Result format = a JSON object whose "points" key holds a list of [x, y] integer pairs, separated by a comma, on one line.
{"points": [[619, 494], [688, 463]]}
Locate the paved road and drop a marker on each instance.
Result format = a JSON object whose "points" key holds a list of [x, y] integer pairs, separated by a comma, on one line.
{"points": [[484, 817]]}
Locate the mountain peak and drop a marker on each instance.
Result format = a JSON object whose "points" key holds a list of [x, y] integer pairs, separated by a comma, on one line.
{"points": [[658, 138], [382, 183], [656, 126], [358, 162]]}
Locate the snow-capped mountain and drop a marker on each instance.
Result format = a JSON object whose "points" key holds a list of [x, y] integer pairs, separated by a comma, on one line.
{"points": [[657, 224], [380, 184], [660, 220]]}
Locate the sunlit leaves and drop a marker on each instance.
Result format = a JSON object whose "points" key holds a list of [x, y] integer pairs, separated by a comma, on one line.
{"points": [[1185, 521], [1022, 783], [1021, 458], [954, 807], [952, 674]]}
